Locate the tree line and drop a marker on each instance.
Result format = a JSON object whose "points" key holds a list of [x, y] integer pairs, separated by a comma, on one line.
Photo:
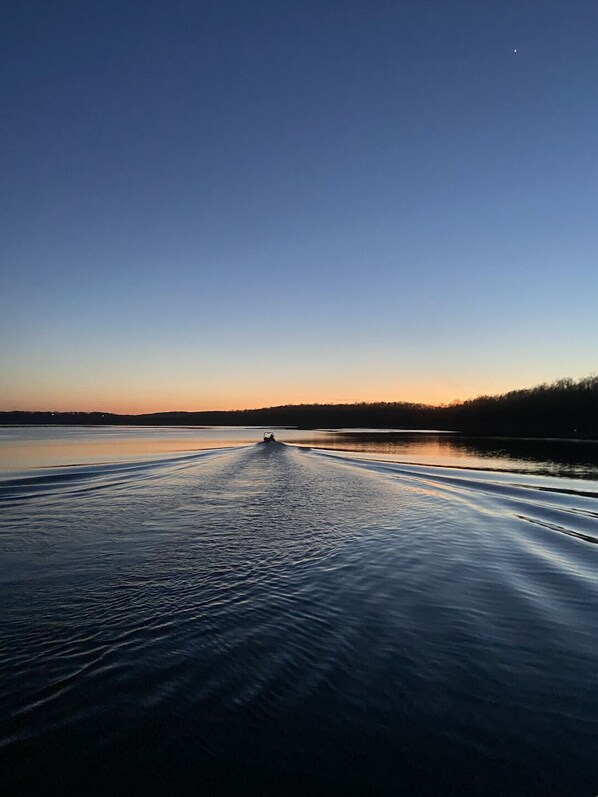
{"points": [[566, 408]]}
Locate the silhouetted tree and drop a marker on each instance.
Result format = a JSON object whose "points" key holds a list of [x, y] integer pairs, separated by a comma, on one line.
{"points": [[565, 408]]}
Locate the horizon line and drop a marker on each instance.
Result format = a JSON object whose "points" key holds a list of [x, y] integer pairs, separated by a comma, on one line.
{"points": [[563, 382]]}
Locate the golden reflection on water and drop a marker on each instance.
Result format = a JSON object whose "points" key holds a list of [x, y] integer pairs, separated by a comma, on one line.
{"points": [[41, 447], [548, 456], [414, 449], [22, 448], [104, 448], [63, 452]]}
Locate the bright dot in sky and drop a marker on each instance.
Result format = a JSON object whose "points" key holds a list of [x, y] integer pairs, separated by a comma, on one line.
{"points": [[514, 51]]}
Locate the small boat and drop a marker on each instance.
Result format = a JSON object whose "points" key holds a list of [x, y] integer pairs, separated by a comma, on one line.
{"points": [[269, 438]]}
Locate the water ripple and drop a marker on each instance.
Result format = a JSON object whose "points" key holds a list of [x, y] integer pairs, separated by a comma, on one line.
{"points": [[299, 622]]}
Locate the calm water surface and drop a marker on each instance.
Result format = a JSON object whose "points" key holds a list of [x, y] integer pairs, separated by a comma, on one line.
{"points": [[189, 611]]}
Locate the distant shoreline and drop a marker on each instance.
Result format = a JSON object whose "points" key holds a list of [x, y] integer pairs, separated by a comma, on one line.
{"points": [[564, 409]]}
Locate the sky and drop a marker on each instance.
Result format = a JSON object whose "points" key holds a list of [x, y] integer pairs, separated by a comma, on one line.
{"points": [[215, 205]]}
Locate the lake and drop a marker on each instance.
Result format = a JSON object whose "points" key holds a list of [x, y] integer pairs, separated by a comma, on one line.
{"points": [[354, 612]]}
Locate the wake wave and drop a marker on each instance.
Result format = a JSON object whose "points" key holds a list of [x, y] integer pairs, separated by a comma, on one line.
{"points": [[77, 478], [568, 507], [274, 598]]}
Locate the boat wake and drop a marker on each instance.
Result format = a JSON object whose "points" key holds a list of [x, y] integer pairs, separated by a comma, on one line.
{"points": [[270, 614]]}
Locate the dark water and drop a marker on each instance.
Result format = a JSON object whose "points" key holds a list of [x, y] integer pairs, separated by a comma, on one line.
{"points": [[268, 619]]}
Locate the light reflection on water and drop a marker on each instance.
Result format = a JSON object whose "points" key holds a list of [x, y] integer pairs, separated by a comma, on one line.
{"points": [[276, 620], [48, 446], [576, 458]]}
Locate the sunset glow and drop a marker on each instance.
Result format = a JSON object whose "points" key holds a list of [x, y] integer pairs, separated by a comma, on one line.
{"points": [[309, 203]]}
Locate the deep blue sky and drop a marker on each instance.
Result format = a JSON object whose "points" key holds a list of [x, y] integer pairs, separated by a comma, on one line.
{"points": [[244, 203]]}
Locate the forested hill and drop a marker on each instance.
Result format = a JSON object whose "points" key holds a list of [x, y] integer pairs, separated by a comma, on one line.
{"points": [[566, 408]]}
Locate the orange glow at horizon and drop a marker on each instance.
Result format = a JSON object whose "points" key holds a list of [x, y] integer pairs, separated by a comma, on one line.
{"points": [[125, 402]]}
